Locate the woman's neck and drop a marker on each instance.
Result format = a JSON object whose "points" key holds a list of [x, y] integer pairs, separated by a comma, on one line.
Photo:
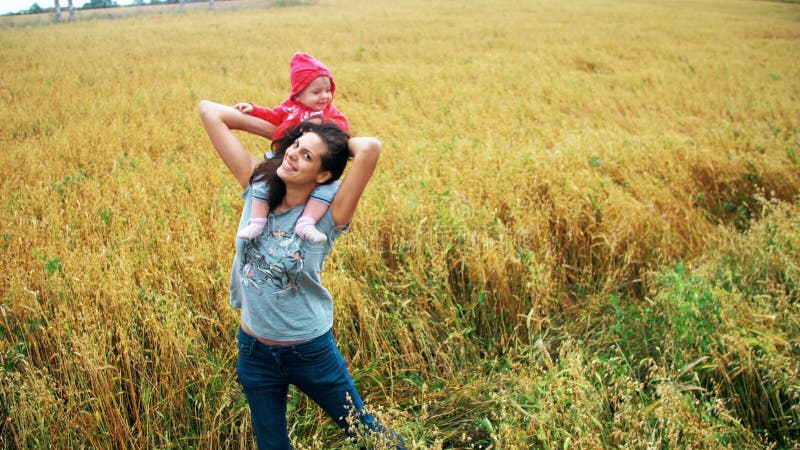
{"points": [[295, 196]]}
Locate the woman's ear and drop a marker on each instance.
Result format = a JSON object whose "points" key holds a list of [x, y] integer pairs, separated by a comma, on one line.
{"points": [[324, 176]]}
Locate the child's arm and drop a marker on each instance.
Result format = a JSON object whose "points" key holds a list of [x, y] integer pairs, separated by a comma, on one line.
{"points": [[274, 116], [246, 108], [338, 118]]}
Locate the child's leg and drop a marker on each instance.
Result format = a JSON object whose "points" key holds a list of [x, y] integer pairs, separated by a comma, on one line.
{"points": [[305, 224], [258, 218]]}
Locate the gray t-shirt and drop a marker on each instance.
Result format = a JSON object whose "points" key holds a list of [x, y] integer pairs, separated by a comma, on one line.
{"points": [[275, 278]]}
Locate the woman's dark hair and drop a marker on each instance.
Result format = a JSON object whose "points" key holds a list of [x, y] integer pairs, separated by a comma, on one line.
{"points": [[334, 160]]}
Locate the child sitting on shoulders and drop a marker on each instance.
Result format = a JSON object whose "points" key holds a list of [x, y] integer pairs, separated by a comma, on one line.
{"points": [[311, 99]]}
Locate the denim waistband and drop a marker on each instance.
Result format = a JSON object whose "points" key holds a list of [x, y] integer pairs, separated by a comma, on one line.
{"points": [[252, 341]]}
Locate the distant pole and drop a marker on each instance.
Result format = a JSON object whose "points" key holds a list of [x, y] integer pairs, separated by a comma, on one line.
{"points": [[212, 5], [58, 11], [71, 11]]}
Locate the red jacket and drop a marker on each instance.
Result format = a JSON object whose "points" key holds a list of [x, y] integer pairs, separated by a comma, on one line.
{"points": [[290, 113], [303, 69]]}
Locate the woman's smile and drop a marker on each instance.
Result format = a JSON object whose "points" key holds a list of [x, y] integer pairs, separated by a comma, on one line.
{"points": [[287, 166]]}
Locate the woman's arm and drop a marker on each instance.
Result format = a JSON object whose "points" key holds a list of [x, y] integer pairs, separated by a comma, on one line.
{"points": [[365, 151], [219, 121]]}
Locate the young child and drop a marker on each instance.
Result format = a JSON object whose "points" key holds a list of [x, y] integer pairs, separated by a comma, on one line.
{"points": [[311, 99]]}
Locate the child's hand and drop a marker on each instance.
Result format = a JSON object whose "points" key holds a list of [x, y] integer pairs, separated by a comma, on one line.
{"points": [[315, 117], [246, 108]]}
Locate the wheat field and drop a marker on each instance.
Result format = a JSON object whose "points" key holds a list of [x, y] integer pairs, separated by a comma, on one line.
{"points": [[583, 232]]}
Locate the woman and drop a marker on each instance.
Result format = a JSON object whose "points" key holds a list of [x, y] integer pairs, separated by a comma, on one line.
{"points": [[287, 315]]}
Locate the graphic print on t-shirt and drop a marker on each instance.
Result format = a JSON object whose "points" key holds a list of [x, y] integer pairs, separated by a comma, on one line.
{"points": [[272, 262]]}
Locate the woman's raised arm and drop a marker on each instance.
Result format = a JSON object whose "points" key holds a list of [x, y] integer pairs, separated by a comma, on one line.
{"points": [[365, 151], [219, 121]]}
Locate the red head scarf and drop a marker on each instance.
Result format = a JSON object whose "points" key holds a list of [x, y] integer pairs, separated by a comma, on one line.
{"points": [[304, 69]]}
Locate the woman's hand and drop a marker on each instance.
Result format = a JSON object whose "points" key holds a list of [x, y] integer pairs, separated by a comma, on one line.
{"points": [[365, 152]]}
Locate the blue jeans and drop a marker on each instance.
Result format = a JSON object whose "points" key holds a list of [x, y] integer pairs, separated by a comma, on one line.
{"points": [[316, 367]]}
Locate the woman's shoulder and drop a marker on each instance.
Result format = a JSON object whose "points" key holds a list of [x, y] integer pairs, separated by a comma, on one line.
{"points": [[327, 226]]}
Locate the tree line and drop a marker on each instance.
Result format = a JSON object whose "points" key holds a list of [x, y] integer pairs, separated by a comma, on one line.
{"points": [[96, 4]]}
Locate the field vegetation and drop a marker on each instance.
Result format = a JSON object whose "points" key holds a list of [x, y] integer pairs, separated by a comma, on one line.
{"points": [[584, 231]]}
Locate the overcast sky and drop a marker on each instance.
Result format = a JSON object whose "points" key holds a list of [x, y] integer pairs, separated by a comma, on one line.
{"points": [[7, 6]]}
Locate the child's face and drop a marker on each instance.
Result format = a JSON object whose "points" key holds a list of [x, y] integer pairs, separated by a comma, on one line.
{"points": [[317, 95]]}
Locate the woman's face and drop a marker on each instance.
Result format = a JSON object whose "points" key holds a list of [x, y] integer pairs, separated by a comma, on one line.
{"points": [[302, 162]]}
